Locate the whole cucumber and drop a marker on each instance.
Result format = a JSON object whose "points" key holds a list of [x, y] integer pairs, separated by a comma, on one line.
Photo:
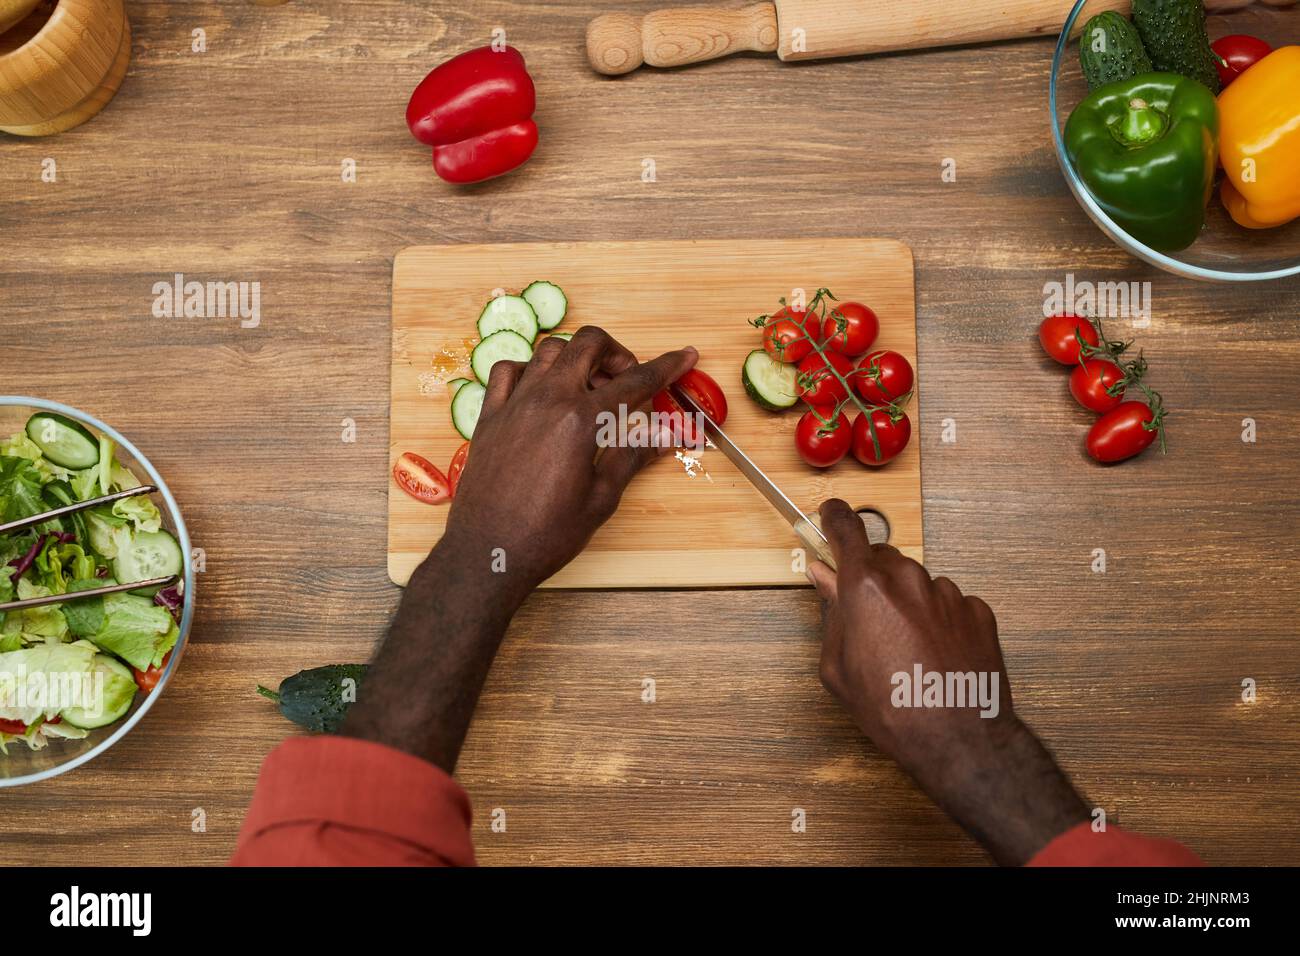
{"points": [[1110, 49], [1173, 32], [318, 699]]}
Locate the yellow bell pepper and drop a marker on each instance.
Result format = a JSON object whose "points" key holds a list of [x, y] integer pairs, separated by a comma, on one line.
{"points": [[1259, 141]]}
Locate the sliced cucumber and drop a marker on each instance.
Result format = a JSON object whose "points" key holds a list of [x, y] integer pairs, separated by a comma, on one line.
{"points": [[772, 384], [151, 554], [67, 443], [465, 407], [548, 301], [498, 347], [455, 384], [509, 312], [117, 693], [567, 336]]}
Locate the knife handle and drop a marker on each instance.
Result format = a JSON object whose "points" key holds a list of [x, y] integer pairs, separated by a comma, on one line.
{"points": [[619, 42]]}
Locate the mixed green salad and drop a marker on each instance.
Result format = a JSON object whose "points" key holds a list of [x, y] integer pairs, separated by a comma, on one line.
{"points": [[67, 668]]}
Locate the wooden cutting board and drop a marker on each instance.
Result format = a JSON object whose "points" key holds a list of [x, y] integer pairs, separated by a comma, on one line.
{"points": [[672, 529]]}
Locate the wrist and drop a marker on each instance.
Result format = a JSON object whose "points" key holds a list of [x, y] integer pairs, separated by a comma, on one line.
{"points": [[468, 575]]}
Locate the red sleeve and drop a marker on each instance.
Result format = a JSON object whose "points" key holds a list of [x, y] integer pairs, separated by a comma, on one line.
{"points": [[1081, 846], [337, 801]]}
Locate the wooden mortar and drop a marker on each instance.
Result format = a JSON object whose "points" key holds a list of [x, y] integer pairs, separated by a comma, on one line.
{"points": [[61, 64]]}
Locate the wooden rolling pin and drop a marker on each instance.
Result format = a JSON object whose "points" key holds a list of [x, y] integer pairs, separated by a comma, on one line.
{"points": [[820, 29]]}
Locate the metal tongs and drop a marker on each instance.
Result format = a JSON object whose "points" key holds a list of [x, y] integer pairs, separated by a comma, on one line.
{"points": [[45, 516]]}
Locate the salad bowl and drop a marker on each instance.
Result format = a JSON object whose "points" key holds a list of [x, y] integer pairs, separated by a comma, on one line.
{"points": [[1224, 251], [19, 762]]}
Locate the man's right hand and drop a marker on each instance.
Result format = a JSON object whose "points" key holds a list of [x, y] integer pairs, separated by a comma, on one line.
{"points": [[884, 615]]}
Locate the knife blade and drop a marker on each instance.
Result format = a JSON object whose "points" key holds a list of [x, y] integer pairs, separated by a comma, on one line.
{"points": [[812, 537]]}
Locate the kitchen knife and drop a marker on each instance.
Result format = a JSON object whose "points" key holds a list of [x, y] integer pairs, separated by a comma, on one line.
{"points": [[819, 29], [811, 535]]}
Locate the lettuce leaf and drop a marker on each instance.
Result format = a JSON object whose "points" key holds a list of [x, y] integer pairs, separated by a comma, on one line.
{"points": [[20, 489], [108, 532], [141, 512], [63, 663], [35, 623], [136, 630]]}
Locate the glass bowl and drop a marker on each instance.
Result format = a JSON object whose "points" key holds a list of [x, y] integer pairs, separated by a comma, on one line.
{"points": [[24, 765], [1225, 252]]}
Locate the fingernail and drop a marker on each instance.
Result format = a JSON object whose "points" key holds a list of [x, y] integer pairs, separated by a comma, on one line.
{"points": [[691, 350]]}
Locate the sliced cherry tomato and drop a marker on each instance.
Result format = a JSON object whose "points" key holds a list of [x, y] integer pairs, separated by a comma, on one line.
{"points": [[419, 479], [822, 438], [706, 393], [1126, 430], [892, 435], [1057, 336], [1090, 381], [883, 377], [1236, 54], [785, 335], [12, 727], [861, 327], [148, 680], [817, 385], [457, 466]]}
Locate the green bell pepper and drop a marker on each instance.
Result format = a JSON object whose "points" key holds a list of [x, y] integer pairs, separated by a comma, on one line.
{"points": [[1147, 149]]}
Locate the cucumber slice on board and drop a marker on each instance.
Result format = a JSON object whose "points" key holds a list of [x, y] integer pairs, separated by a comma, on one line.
{"points": [[465, 408], [117, 693], [455, 384], [151, 554], [67, 443], [508, 312], [548, 301], [498, 347], [772, 384]]}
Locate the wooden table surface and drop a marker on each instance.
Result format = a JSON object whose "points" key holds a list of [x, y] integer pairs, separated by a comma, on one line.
{"points": [[225, 165]]}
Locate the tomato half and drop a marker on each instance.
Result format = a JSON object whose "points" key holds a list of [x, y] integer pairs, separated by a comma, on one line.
{"points": [[861, 327], [1057, 336], [148, 680], [822, 438], [817, 385], [892, 434], [420, 479], [706, 392], [785, 335], [883, 377], [1090, 381], [1122, 433], [457, 466], [1237, 54]]}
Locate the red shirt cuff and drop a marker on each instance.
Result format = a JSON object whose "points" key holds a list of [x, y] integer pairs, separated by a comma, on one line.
{"points": [[1082, 846], [339, 801]]}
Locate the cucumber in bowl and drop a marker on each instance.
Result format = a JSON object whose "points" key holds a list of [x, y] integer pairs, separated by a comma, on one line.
{"points": [[95, 654]]}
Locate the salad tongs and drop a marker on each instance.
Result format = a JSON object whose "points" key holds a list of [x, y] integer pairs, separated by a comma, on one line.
{"points": [[44, 516]]}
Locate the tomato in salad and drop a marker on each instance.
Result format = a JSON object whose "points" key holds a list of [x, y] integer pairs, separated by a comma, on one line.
{"points": [[822, 437], [148, 680], [421, 480]]}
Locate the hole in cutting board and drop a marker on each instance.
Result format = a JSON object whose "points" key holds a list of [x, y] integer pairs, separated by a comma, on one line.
{"points": [[877, 525]]}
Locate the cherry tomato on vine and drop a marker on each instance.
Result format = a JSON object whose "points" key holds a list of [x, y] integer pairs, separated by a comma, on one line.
{"points": [[893, 436], [822, 437], [786, 335], [1089, 383], [883, 377], [860, 328], [706, 393], [818, 385], [1126, 430], [1238, 53], [1057, 336]]}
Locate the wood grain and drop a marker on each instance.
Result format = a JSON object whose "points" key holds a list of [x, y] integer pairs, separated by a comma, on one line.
{"points": [[226, 165], [673, 528]]}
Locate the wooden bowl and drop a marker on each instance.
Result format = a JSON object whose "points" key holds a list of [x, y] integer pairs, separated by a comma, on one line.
{"points": [[61, 64], [14, 11]]}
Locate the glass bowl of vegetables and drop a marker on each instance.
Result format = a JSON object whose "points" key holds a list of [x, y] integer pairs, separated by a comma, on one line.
{"points": [[1153, 111], [76, 676]]}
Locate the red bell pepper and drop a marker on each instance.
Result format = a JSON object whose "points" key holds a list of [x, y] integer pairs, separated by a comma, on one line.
{"points": [[476, 112]]}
